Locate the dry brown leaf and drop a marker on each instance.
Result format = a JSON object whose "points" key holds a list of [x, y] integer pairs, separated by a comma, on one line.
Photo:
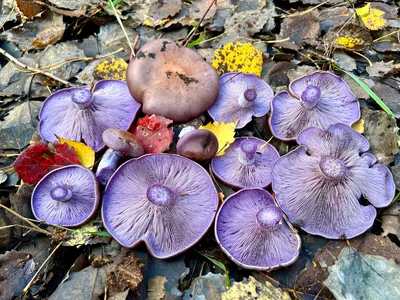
{"points": [[156, 289], [350, 37]]}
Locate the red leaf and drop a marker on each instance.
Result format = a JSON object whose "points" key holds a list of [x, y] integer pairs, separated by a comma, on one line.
{"points": [[154, 134], [41, 158]]}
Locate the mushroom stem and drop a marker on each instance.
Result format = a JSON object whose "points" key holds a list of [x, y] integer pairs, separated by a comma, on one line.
{"points": [[332, 168], [82, 97], [310, 96], [247, 98], [247, 152], [61, 193], [108, 164], [160, 195], [269, 217]]}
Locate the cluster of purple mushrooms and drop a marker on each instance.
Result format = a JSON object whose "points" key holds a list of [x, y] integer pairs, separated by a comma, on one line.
{"points": [[169, 201]]}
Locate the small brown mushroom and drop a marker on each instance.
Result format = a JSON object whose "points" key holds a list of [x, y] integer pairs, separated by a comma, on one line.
{"points": [[198, 145]]}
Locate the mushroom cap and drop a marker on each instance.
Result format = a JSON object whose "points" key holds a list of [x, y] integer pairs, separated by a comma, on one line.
{"points": [[234, 87], [110, 105], [254, 233], [165, 200], [68, 196], [123, 141], [198, 145], [316, 100], [238, 171], [172, 81], [335, 174]]}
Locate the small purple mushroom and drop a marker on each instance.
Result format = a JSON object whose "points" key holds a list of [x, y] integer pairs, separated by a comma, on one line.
{"points": [[247, 163], [316, 100], [240, 97], [79, 114], [165, 200], [319, 185], [254, 233], [68, 196]]}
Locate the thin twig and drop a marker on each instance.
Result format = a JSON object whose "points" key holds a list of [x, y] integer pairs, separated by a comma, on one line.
{"points": [[385, 36], [199, 23], [35, 70], [37, 272], [37, 228]]}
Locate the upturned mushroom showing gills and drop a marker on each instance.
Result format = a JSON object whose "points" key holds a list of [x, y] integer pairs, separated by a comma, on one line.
{"points": [[316, 100], [165, 200], [319, 185], [240, 97], [198, 145], [172, 81], [80, 114], [68, 196], [253, 231], [246, 163], [121, 143]]}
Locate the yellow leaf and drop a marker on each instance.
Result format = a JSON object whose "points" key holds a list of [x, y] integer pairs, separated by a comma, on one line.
{"points": [[84, 152], [238, 57], [111, 69], [358, 126], [224, 132], [373, 18], [221, 196]]}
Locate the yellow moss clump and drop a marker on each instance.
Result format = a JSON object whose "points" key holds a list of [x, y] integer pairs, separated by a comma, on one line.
{"points": [[349, 42], [111, 69], [238, 57]]}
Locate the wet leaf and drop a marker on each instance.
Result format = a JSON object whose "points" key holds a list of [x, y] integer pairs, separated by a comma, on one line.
{"points": [[224, 132], [111, 69], [238, 57], [36, 161], [153, 133], [373, 18], [84, 152]]}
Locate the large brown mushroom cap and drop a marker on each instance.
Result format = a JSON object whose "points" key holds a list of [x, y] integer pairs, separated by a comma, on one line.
{"points": [[172, 81]]}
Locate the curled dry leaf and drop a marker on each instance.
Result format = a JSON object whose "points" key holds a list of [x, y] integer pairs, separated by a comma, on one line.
{"points": [[350, 37]]}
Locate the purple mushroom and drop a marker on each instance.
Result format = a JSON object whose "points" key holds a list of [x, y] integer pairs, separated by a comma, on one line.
{"points": [[68, 196], [240, 97], [247, 163], [79, 114], [316, 100], [254, 233], [165, 200], [319, 185]]}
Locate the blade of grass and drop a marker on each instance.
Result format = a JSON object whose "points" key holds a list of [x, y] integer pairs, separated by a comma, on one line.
{"points": [[369, 91], [99, 233], [197, 41], [220, 265], [115, 2]]}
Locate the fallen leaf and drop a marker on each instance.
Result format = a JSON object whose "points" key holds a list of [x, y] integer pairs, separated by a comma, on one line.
{"points": [[373, 18], [114, 68], [156, 289], [127, 275], [84, 152], [29, 8], [153, 133], [238, 57], [224, 132], [381, 68], [391, 220], [253, 289], [36, 161], [348, 36], [301, 28], [82, 235], [359, 126]]}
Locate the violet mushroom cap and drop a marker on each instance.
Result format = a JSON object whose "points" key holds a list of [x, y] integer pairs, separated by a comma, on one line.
{"points": [[164, 200], [241, 96], [198, 145], [316, 100], [247, 163], [254, 233], [68, 196], [319, 184], [79, 114], [172, 81]]}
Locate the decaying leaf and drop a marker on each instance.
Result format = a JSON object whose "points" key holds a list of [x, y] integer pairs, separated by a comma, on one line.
{"points": [[391, 220], [253, 289], [39, 159], [111, 69], [79, 236], [348, 36], [84, 152], [238, 57], [224, 132], [29, 8], [381, 68], [127, 275], [359, 125], [373, 18], [301, 28], [153, 133], [156, 289]]}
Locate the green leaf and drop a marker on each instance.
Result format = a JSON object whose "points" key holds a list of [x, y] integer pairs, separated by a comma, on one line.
{"points": [[369, 91], [197, 41], [190, 32], [115, 2], [220, 265]]}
